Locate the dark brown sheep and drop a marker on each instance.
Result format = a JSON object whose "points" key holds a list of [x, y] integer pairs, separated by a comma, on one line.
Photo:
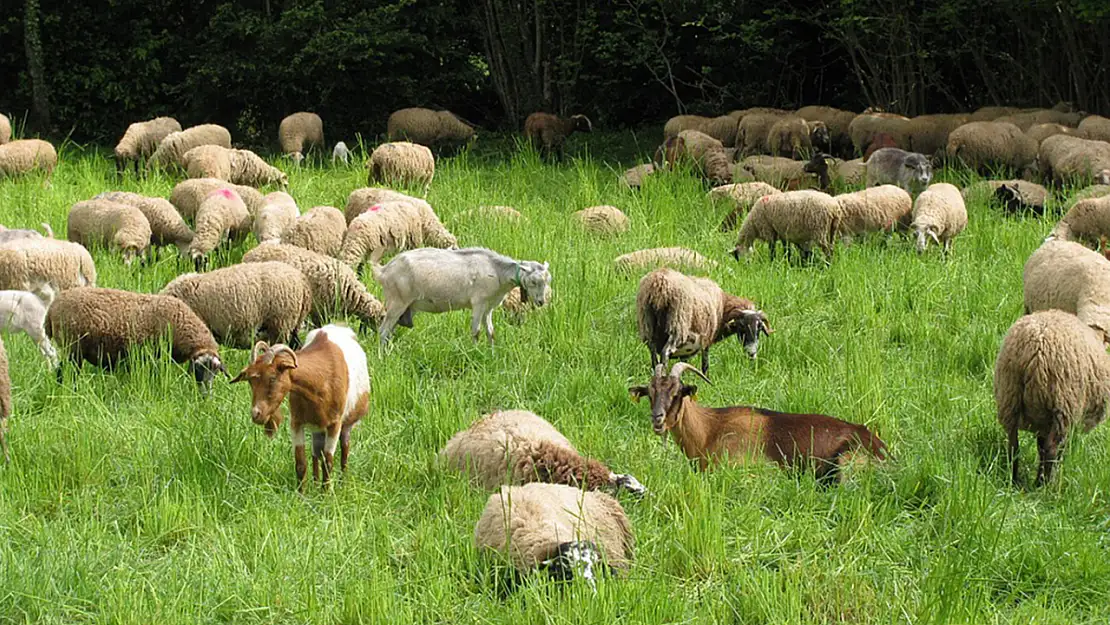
{"points": [[548, 132]]}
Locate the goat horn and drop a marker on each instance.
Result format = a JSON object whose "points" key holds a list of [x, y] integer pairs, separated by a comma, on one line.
{"points": [[280, 348], [258, 349], [681, 367]]}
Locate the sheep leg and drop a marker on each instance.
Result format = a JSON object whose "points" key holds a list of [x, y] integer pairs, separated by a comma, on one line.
{"points": [[296, 433], [330, 442], [317, 454], [1048, 446], [344, 446], [1012, 437]]}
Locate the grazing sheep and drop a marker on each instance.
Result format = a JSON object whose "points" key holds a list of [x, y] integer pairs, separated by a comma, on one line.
{"points": [[742, 196], [166, 225], [141, 139], [222, 217], [804, 218], [1069, 159], [706, 153], [235, 166], [390, 227], [679, 316], [983, 146], [928, 134], [26, 311], [172, 149], [740, 114], [427, 127], [434, 280], [786, 173], [938, 214], [1067, 276], [335, 287], [1093, 191], [602, 220], [402, 163], [867, 126], [27, 263], [753, 132], [549, 132], [341, 152], [653, 258], [240, 301], [1040, 132], [885, 208], [107, 223], [362, 200], [25, 156], [320, 230], [5, 395], [741, 434], [722, 128], [1087, 221], [836, 121], [1095, 127], [908, 170], [1052, 376], [8, 235], [560, 529], [5, 129], [279, 211], [850, 173], [794, 137], [1015, 196], [102, 325], [299, 133], [188, 195], [634, 177], [1026, 119], [518, 447]]}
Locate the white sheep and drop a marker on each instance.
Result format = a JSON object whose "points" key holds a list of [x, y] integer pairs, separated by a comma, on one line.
{"points": [[279, 211], [321, 230], [27, 155], [104, 222], [361, 200], [428, 127], [172, 149], [26, 311], [939, 214], [393, 226], [402, 163], [602, 220], [300, 132], [1068, 159], [27, 263], [141, 139], [742, 196], [806, 219], [188, 195], [236, 166], [167, 227], [1066, 276], [651, 258], [1087, 221], [221, 217], [885, 208], [986, 145]]}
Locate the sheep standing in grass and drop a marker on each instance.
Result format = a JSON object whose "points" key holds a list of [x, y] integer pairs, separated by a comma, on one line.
{"points": [[1087, 221], [806, 219], [299, 133], [166, 225], [742, 196], [320, 229], [602, 220], [938, 214], [25, 264], [5, 129], [341, 153], [5, 396], [390, 227], [188, 195], [986, 145], [1051, 377], [279, 211], [171, 151], [427, 127], [866, 126], [107, 223], [1016, 196], [1066, 276], [362, 200], [794, 137], [235, 166], [706, 153], [25, 156], [885, 208], [908, 170], [26, 311], [1069, 159], [652, 258], [222, 217], [753, 131], [141, 139], [402, 163], [549, 132], [786, 173]]}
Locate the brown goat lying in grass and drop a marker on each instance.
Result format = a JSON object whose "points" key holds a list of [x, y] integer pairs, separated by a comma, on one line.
{"points": [[743, 433]]}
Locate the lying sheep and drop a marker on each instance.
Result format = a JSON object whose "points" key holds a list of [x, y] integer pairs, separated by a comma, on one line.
{"points": [[107, 223], [794, 137], [1051, 377], [909, 170], [5, 129], [188, 195], [435, 281], [742, 196], [1040, 132], [320, 230], [1070, 159], [26, 311], [803, 218], [335, 287], [518, 447], [928, 134], [983, 146], [7, 235], [1015, 196], [402, 163], [241, 301], [706, 153], [865, 127], [299, 133], [222, 217], [938, 214], [494, 213], [427, 127], [166, 225], [25, 264], [391, 227], [549, 132], [24, 156], [341, 153], [602, 220], [362, 200], [235, 166], [885, 208], [1087, 221], [171, 151], [279, 211], [102, 325], [5, 391], [634, 177], [1095, 127], [141, 139], [652, 258], [1066, 276], [836, 121]]}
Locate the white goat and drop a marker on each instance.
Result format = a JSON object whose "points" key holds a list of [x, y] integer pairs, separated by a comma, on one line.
{"points": [[341, 152], [26, 311]]}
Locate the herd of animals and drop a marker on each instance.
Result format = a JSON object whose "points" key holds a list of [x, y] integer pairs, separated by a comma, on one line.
{"points": [[777, 169]]}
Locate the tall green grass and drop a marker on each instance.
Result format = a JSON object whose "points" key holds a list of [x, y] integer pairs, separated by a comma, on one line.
{"points": [[131, 498]]}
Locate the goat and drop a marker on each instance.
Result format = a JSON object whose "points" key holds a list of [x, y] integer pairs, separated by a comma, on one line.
{"points": [[26, 311], [740, 433]]}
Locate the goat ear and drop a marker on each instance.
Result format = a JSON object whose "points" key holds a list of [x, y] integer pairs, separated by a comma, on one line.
{"points": [[637, 392], [689, 390], [285, 365]]}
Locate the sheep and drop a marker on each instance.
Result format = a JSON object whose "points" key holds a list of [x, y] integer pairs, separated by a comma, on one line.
{"points": [[908, 170], [5, 129], [166, 225], [1040, 132], [679, 316], [102, 325], [279, 211], [188, 195], [328, 385], [1067, 276], [362, 200], [1093, 191], [1026, 119], [221, 217], [851, 172], [1015, 196], [24, 156], [786, 173], [434, 280], [939, 214], [634, 177], [1051, 377], [602, 220], [740, 114], [985, 145], [171, 151], [1068, 159], [141, 139], [1087, 221], [299, 133], [548, 132], [239, 301], [402, 163], [108, 223], [885, 208], [27, 263], [795, 137], [706, 153], [26, 311], [5, 392], [804, 218], [557, 528], [341, 153], [518, 447], [991, 113], [235, 166], [320, 230], [928, 134], [865, 127], [8, 235], [722, 128], [335, 287], [753, 131], [390, 227], [1095, 127], [427, 127], [651, 258], [740, 434], [836, 121], [496, 213], [742, 196]]}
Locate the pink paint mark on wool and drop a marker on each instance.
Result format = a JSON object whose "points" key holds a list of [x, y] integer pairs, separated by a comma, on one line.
{"points": [[375, 208], [226, 193]]}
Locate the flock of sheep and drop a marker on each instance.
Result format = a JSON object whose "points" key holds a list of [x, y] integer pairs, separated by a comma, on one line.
{"points": [[775, 167]]}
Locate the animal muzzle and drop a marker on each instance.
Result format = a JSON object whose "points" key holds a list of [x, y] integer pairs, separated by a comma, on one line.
{"points": [[751, 347], [658, 424]]}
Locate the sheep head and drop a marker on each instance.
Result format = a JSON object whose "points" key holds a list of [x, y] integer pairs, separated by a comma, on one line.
{"points": [[666, 392], [582, 123], [923, 233], [746, 323], [268, 375], [575, 559], [819, 166], [819, 134], [1103, 177], [204, 366]]}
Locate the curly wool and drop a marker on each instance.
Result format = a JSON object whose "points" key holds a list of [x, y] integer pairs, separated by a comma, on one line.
{"points": [[188, 195], [653, 258], [804, 218], [986, 145], [1067, 276], [792, 136], [108, 223], [25, 264], [753, 132], [301, 130], [1026, 119], [279, 211], [940, 209], [1069, 158], [427, 127], [865, 127], [689, 309], [25, 156], [222, 217], [1040, 132], [361, 200], [742, 196], [141, 139], [166, 225], [928, 134], [241, 301], [171, 151], [5, 129], [235, 166], [1095, 127], [402, 163], [602, 220], [392, 227], [320, 230], [1087, 221], [877, 209]]}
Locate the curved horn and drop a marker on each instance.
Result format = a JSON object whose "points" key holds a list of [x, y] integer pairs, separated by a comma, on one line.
{"points": [[280, 348], [681, 367], [258, 349]]}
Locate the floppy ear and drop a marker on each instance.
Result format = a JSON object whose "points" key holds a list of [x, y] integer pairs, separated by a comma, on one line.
{"points": [[689, 390], [637, 392]]}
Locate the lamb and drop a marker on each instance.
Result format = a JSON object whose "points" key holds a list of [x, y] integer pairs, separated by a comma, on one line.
{"points": [[1066, 276], [740, 434], [141, 139], [362, 200], [24, 156], [837, 121], [679, 316], [188, 195], [518, 447], [804, 218], [706, 153], [794, 137], [1087, 221], [558, 528], [239, 301], [5, 391], [434, 280], [928, 134], [549, 132], [25, 264], [171, 151], [865, 127], [299, 133], [103, 222], [1069, 159], [391, 227], [341, 153], [335, 287], [328, 384], [885, 208], [279, 211], [674, 257], [427, 127], [987, 145], [26, 311], [938, 214], [166, 225], [908, 170], [5, 129], [1095, 127], [8, 235], [102, 325], [753, 132], [221, 217], [1040, 132], [634, 177], [402, 163], [320, 230], [1015, 196], [235, 166], [602, 220], [1051, 377], [742, 196]]}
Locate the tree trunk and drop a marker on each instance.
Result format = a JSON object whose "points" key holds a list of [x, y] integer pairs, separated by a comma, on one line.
{"points": [[40, 98]]}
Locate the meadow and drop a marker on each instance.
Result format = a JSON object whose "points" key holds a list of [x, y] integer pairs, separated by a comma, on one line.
{"points": [[132, 498]]}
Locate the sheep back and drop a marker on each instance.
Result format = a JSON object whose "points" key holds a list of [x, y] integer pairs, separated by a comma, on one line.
{"points": [[1095, 127], [279, 211], [166, 225], [188, 195], [171, 150], [141, 139], [402, 162], [26, 263], [884, 208], [321, 230], [1040, 132], [1087, 221], [865, 127], [940, 208], [427, 127], [222, 216], [361, 200], [652, 258], [678, 310], [1067, 276], [1069, 159], [836, 120], [742, 196], [602, 220], [26, 155], [108, 223], [753, 132], [986, 145], [5, 129], [301, 129], [928, 134]]}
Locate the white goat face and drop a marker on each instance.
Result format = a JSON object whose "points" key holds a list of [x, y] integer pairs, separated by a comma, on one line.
{"points": [[535, 282]]}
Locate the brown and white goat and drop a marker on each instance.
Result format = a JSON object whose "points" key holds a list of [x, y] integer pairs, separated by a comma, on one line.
{"points": [[328, 384], [744, 433]]}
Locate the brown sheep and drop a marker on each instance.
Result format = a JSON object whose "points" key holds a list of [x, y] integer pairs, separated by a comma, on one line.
{"points": [[548, 132]]}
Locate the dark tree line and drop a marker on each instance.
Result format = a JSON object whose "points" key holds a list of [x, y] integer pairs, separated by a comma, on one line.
{"points": [[91, 68]]}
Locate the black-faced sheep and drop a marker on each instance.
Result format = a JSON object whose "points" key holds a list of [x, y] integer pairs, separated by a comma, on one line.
{"points": [[939, 214], [1015, 196], [171, 151], [402, 163], [549, 132], [24, 156], [1066, 276], [909, 170], [806, 219], [141, 139], [235, 166], [427, 127], [107, 223], [986, 145], [299, 133]]}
